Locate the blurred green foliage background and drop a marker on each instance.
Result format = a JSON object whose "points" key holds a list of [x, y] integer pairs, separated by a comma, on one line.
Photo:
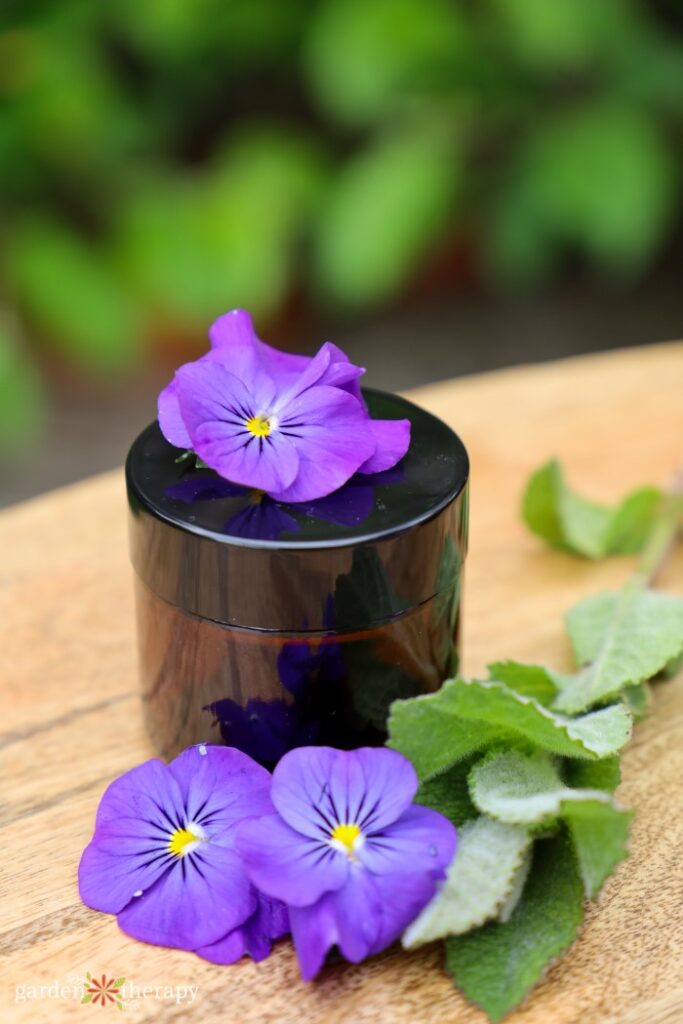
{"points": [[163, 160]]}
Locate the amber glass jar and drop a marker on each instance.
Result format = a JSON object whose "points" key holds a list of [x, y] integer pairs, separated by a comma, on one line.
{"points": [[268, 626]]}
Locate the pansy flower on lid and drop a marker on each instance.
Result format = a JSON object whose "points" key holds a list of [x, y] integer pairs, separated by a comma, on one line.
{"points": [[294, 427]]}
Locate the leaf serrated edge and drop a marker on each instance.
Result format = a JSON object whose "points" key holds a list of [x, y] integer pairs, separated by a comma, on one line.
{"points": [[561, 721], [492, 913]]}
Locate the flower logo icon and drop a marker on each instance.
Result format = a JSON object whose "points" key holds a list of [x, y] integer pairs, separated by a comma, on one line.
{"points": [[103, 991]]}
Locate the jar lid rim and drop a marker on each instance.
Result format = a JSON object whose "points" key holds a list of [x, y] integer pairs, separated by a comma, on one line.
{"points": [[144, 495]]}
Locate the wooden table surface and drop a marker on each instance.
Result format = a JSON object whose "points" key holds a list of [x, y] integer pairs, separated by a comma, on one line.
{"points": [[71, 722]]}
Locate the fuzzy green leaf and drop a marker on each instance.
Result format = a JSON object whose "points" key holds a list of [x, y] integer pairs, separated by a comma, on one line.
{"points": [[604, 774], [571, 523], [430, 734], [531, 680], [495, 966], [436, 730], [449, 793], [521, 789], [480, 881], [626, 637], [599, 832], [638, 699]]}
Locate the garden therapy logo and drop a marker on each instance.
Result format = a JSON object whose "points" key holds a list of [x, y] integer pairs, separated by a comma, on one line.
{"points": [[103, 991]]}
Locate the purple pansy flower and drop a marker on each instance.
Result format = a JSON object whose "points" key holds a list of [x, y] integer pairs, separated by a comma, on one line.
{"points": [[254, 938], [349, 853], [294, 427], [163, 859]]}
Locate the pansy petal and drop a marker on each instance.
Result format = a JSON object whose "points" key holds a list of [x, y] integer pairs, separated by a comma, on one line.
{"points": [[372, 911], [170, 420], [316, 788], [400, 898], [358, 912], [265, 463], [316, 368], [287, 866], [284, 367], [110, 874], [314, 932], [146, 793], [372, 786], [220, 786], [330, 367], [362, 919], [392, 440], [254, 938], [234, 343], [329, 922], [136, 816], [228, 950], [300, 790], [332, 437], [422, 840], [207, 387], [216, 406], [342, 373], [202, 895]]}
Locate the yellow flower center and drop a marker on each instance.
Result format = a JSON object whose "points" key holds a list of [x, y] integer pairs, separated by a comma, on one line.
{"points": [[346, 836], [259, 426], [181, 840]]}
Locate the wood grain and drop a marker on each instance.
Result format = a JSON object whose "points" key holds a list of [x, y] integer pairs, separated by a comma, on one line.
{"points": [[71, 721]]}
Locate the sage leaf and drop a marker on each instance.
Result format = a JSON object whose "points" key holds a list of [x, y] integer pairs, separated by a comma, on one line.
{"points": [[637, 699], [431, 735], [570, 522], [599, 831], [496, 965], [623, 639], [521, 789], [531, 680], [480, 880], [449, 794], [604, 774], [436, 730]]}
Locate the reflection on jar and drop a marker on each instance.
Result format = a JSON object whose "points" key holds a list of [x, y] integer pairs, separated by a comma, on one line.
{"points": [[267, 692]]}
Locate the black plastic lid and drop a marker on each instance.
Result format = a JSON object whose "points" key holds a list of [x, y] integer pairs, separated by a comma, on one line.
{"points": [[388, 542]]}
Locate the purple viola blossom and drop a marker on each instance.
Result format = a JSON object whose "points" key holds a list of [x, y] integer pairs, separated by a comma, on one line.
{"points": [[270, 921], [349, 853], [235, 346], [295, 444], [162, 857]]}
